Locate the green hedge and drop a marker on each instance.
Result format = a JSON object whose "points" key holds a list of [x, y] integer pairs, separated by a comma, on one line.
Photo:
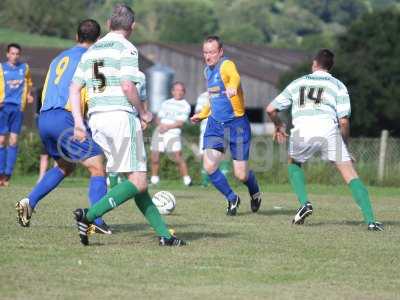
{"points": [[269, 161]]}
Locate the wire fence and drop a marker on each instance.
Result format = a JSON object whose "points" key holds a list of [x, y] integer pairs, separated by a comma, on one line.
{"points": [[367, 153], [267, 159]]}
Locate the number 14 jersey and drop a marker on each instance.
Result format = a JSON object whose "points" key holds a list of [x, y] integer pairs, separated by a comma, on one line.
{"points": [[315, 98], [101, 70]]}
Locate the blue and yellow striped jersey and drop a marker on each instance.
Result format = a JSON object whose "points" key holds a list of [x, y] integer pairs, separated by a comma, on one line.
{"points": [[15, 82], [56, 88]]}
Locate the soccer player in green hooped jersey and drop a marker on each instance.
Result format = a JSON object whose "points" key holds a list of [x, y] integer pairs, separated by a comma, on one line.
{"points": [[109, 71], [320, 109]]}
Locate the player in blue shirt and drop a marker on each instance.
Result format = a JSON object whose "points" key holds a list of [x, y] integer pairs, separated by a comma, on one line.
{"points": [[227, 126], [15, 92], [56, 128]]}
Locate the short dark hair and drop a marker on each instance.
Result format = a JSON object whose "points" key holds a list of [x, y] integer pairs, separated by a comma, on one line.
{"points": [[178, 83], [122, 17], [325, 58], [88, 31], [13, 45], [214, 38]]}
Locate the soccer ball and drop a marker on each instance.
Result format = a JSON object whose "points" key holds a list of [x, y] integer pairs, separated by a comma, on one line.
{"points": [[165, 202]]}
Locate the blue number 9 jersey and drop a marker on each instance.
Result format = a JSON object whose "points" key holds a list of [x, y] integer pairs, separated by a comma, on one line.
{"points": [[56, 88]]}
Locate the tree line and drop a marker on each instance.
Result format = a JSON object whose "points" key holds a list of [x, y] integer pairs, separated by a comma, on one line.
{"points": [[367, 61], [364, 34], [285, 23]]}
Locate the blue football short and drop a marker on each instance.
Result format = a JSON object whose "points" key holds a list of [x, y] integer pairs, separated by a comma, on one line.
{"points": [[56, 129], [236, 134], [11, 118]]}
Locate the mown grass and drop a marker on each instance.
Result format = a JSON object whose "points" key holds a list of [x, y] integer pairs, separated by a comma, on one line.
{"points": [[32, 40], [251, 256]]}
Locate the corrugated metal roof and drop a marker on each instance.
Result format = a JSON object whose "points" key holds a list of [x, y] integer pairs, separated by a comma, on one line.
{"points": [[261, 62], [39, 60], [285, 56]]}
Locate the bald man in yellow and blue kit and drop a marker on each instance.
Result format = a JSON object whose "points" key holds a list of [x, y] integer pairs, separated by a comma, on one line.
{"points": [[227, 126]]}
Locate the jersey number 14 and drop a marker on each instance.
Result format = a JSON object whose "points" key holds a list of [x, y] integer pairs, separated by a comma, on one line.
{"points": [[310, 93]]}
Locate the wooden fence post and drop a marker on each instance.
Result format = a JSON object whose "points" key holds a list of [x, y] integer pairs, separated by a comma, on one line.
{"points": [[382, 155]]}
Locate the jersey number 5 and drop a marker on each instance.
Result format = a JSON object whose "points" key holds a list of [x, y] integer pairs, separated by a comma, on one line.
{"points": [[99, 77], [313, 95]]}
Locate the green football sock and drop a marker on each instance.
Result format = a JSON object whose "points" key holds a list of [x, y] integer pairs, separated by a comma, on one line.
{"points": [[225, 167], [113, 179], [115, 197], [361, 196], [151, 213], [116, 178], [204, 178], [298, 182]]}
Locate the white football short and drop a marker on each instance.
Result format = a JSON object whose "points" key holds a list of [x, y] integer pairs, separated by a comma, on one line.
{"points": [[166, 142], [305, 142], [203, 126], [119, 134]]}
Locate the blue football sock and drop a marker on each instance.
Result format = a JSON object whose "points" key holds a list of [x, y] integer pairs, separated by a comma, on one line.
{"points": [[11, 159], [3, 155], [49, 182], [97, 189], [252, 184], [219, 181]]}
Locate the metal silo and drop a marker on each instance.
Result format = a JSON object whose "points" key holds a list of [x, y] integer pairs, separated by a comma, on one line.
{"points": [[159, 79]]}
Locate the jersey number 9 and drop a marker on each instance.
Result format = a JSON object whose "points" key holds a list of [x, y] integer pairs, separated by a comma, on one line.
{"points": [[60, 69]]}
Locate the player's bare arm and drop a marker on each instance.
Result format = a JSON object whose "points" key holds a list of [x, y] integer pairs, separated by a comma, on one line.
{"points": [[165, 127], [130, 91], [231, 92], [203, 114], [29, 95], [157, 120], [344, 125], [75, 98], [144, 124], [195, 119], [280, 134]]}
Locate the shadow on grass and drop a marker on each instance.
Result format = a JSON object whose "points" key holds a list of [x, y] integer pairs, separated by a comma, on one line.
{"points": [[192, 236], [95, 244], [389, 222], [351, 223], [186, 235], [274, 212], [329, 223], [117, 228]]}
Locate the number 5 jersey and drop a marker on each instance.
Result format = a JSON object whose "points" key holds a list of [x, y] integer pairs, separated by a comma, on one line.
{"points": [[101, 70]]}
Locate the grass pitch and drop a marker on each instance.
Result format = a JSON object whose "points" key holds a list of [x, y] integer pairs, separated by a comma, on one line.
{"points": [[250, 256], [32, 40]]}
